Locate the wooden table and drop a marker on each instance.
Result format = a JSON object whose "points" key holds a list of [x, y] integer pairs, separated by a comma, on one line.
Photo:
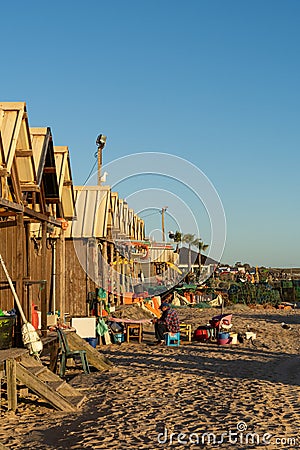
{"points": [[134, 331]]}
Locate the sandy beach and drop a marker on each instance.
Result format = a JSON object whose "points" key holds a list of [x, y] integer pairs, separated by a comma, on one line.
{"points": [[199, 395]]}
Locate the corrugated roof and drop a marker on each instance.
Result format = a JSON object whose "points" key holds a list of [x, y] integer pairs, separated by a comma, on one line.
{"points": [[163, 253], [92, 207], [101, 214]]}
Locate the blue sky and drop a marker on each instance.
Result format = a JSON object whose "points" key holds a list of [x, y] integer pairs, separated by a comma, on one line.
{"points": [[214, 82]]}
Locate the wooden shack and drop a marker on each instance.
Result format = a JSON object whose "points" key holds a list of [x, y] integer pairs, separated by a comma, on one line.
{"points": [[36, 200], [93, 257]]}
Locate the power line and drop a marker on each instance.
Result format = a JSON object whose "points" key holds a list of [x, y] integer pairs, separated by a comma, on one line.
{"points": [[151, 214], [91, 171]]}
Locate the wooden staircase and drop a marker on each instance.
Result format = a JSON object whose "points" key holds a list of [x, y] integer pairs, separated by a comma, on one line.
{"points": [[46, 384]]}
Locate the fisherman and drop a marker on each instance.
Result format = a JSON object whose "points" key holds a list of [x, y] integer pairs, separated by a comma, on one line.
{"points": [[167, 323]]}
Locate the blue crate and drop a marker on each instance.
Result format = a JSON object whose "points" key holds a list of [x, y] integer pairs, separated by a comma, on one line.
{"points": [[119, 337]]}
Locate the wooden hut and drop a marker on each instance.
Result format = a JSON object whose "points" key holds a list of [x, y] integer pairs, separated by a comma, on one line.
{"points": [[29, 191], [94, 257], [85, 239]]}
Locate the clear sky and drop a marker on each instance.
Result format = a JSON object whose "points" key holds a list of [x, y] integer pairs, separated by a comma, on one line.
{"points": [[215, 82]]}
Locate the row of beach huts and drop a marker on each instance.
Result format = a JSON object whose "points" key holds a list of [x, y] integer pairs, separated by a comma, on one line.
{"points": [[60, 242]]}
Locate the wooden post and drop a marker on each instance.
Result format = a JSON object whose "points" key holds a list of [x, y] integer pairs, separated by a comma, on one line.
{"points": [[20, 261], [123, 288], [112, 275], [62, 277], [92, 263], [117, 278], [60, 274], [28, 290], [19, 277], [11, 384], [44, 306], [104, 265]]}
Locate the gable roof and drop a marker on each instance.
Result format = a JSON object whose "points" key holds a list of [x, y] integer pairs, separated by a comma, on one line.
{"points": [[65, 183], [114, 218], [44, 159], [16, 156]]}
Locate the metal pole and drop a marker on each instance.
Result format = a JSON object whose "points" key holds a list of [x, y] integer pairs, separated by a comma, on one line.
{"points": [[99, 164]]}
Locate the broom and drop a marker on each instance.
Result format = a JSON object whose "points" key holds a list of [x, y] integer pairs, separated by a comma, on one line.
{"points": [[30, 336]]}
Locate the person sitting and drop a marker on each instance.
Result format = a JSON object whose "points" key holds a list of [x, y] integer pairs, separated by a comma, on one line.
{"points": [[167, 323]]}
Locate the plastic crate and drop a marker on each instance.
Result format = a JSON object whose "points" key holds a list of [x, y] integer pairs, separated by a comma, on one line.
{"points": [[119, 337]]}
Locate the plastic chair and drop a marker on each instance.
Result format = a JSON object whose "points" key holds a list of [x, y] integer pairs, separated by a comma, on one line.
{"points": [[66, 353], [172, 339]]}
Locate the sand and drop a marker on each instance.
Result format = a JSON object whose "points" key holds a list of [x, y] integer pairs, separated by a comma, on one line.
{"points": [[209, 396]]}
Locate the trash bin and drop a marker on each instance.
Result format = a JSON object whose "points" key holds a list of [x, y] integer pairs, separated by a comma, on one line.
{"points": [[92, 341], [6, 331]]}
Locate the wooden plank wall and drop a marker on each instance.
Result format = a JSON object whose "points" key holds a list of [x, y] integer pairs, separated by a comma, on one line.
{"points": [[77, 282], [70, 275], [12, 242], [8, 250]]}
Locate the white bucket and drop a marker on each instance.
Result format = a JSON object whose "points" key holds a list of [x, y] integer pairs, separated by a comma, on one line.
{"points": [[234, 339]]}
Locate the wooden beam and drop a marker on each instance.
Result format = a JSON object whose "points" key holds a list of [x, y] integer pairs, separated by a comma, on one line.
{"points": [[8, 223], [49, 170], [30, 188], [5, 213], [42, 217], [23, 153], [52, 200], [95, 358], [17, 207], [11, 384]]}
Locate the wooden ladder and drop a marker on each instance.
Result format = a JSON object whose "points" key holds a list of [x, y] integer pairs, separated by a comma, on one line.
{"points": [[46, 384]]}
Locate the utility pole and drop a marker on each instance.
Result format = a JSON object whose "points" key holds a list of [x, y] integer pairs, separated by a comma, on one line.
{"points": [[100, 142], [163, 210]]}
